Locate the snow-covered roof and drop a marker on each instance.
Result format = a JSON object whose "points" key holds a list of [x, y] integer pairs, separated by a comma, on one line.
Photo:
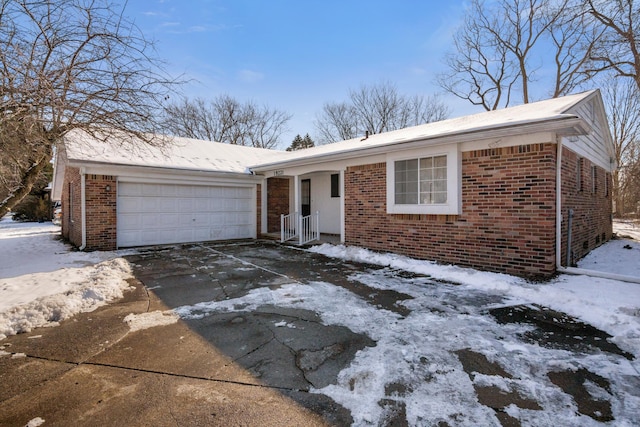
{"points": [[171, 152], [196, 155], [555, 109]]}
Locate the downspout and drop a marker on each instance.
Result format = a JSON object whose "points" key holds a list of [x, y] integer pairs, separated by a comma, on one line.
{"points": [[568, 269], [569, 241], [83, 210], [559, 202]]}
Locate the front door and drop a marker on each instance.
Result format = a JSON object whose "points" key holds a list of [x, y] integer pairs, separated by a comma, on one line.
{"points": [[305, 196]]}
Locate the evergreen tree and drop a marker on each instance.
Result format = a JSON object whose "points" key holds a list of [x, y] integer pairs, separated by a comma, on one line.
{"points": [[307, 142], [300, 143]]}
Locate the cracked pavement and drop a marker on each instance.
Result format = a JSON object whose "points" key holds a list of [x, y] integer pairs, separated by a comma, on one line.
{"points": [[253, 365]]}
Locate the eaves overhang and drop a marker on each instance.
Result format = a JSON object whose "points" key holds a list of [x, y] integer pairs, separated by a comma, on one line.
{"points": [[562, 124]]}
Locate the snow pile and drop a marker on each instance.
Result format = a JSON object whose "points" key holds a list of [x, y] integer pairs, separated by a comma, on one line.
{"points": [[43, 281], [87, 289], [450, 273]]}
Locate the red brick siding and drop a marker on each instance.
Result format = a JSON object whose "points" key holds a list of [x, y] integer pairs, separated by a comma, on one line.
{"points": [[101, 213], [591, 225], [507, 222], [71, 212], [277, 202]]}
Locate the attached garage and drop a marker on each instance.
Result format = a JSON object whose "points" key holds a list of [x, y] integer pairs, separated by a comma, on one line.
{"points": [[119, 192], [154, 214]]}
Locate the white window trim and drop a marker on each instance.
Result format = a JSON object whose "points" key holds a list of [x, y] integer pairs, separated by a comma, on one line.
{"points": [[452, 207]]}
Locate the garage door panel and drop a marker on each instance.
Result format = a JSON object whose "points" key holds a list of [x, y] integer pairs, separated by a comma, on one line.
{"points": [[131, 189], [150, 214], [129, 222]]}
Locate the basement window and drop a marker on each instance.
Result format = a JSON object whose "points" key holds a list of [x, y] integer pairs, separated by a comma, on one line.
{"points": [[424, 184]]}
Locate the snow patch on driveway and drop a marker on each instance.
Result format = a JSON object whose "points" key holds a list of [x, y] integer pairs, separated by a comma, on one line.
{"points": [[142, 321]]}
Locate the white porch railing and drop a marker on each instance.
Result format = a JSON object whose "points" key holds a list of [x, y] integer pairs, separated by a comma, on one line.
{"points": [[305, 228], [288, 227]]}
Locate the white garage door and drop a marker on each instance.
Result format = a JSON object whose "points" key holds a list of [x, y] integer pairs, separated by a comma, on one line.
{"points": [[153, 214]]}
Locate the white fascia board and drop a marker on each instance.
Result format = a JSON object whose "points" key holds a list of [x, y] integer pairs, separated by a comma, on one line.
{"points": [[166, 175], [59, 168], [328, 165], [566, 125]]}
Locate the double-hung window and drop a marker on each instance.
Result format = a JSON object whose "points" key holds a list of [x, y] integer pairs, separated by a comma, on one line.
{"points": [[427, 183]]}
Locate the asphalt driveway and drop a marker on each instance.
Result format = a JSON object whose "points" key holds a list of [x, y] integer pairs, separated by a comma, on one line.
{"points": [[257, 343]]}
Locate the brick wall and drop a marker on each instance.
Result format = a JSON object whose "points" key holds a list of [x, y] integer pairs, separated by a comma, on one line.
{"points": [[71, 208], [101, 215], [507, 222], [591, 205], [277, 202], [100, 210]]}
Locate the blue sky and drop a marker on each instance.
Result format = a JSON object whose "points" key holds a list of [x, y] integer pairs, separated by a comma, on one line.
{"points": [[298, 55]]}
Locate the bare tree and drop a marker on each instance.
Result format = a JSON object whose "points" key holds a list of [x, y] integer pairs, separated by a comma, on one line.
{"points": [[65, 65], [493, 60], [619, 48], [574, 37], [376, 109], [226, 120], [338, 122], [622, 100]]}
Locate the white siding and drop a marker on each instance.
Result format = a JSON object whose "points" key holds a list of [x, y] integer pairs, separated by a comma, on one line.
{"points": [[594, 146], [321, 201]]}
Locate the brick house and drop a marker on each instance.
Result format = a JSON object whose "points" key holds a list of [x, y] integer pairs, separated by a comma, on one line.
{"points": [[524, 190]]}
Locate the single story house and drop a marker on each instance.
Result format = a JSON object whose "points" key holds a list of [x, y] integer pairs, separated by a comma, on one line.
{"points": [[524, 190]]}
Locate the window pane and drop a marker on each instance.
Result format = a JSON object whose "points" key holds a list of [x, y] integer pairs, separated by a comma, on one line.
{"points": [[440, 186], [440, 161], [426, 163], [335, 185], [421, 181], [440, 198]]}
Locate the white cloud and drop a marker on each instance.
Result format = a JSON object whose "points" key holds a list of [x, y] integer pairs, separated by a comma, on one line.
{"points": [[250, 76]]}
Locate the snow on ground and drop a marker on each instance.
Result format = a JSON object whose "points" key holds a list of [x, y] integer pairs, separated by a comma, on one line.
{"points": [[415, 352], [42, 281], [627, 228]]}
